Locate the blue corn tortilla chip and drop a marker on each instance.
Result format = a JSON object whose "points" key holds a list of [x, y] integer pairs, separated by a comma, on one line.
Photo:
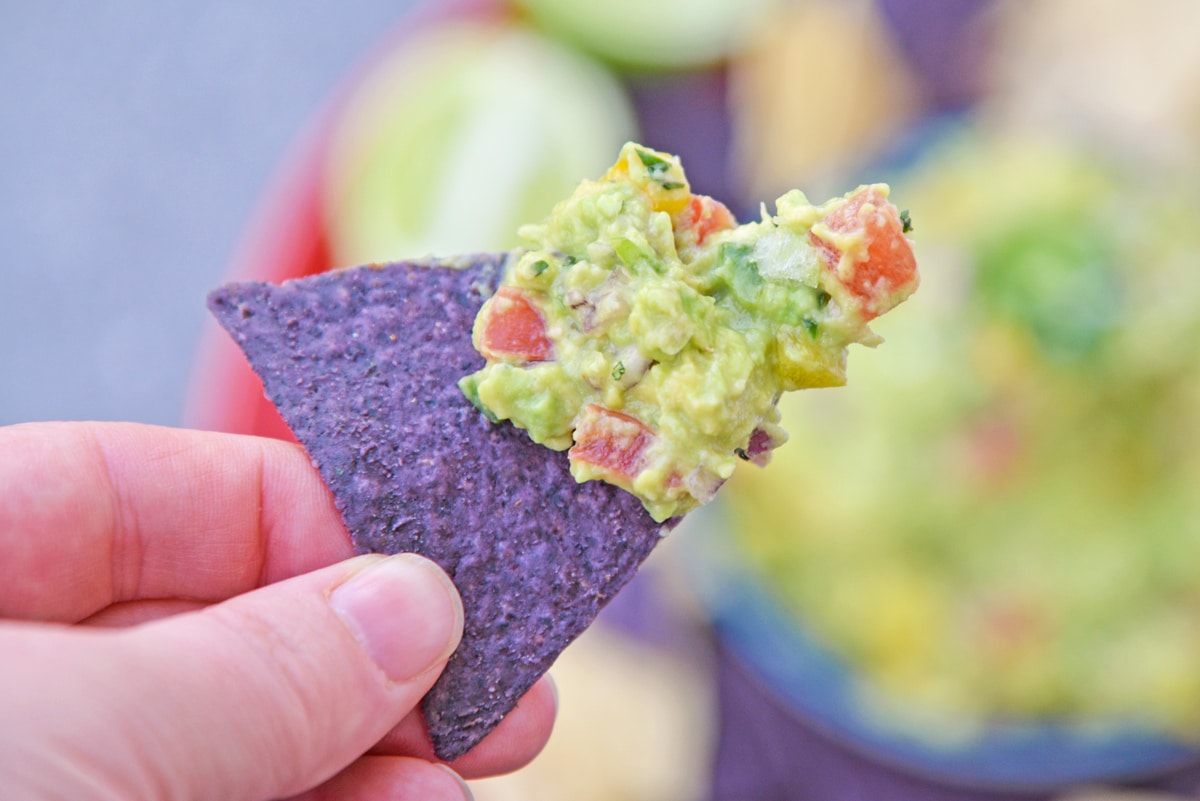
{"points": [[363, 365]]}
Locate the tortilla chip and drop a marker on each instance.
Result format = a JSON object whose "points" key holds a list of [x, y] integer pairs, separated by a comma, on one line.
{"points": [[363, 365]]}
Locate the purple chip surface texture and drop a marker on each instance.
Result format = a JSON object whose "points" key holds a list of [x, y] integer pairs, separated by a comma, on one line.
{"points": [[363, 365]]}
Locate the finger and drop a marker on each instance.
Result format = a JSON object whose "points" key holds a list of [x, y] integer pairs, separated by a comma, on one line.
{"points": [[378, 777], [132, 613], [266, 695], [519, 738], [93, 514]]}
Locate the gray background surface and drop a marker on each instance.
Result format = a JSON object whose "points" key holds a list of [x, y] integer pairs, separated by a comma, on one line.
{"points": [[136, 139]]}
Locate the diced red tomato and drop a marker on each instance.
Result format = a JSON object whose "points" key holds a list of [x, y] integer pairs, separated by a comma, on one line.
{"points": [[703, 215], [612, 442], [1010, 628], [511, 327], [888, 273]]}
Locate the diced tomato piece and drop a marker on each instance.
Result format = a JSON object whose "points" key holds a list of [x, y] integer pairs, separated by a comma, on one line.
{"points": [[703, 215], [1009, 628], [612, 442], [511, 327], [888, 272]]}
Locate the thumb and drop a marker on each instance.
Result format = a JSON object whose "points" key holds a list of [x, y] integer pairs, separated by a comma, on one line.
{"points": [[265, 695]]}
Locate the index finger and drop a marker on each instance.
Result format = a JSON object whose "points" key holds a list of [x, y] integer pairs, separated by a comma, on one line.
{"points": [[93, 514]]}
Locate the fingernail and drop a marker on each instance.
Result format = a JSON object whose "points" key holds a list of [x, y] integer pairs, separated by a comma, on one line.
{"points": [[404, 612], [462, 783]]}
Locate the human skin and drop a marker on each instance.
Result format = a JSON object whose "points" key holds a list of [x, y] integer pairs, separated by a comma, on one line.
{"points": [[182, 616]]}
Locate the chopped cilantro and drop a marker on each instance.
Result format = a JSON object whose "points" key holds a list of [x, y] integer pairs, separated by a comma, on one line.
{"points": [[657, 166], [906, 221], [659, 169], [540, 266], [618, 371], [810, 326], [744, 278]]}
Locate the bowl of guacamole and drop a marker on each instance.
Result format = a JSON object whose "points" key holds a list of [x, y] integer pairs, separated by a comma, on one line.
{"points": [[980, 556]]}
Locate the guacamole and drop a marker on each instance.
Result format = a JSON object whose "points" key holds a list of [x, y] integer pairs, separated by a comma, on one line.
{"points": [[648, 334], [1008, 524]]}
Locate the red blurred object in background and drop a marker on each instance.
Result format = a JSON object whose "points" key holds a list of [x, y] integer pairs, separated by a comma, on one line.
{"points": [[288, 239]]}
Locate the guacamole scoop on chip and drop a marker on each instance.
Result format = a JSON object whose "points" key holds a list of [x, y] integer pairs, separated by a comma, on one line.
{"points": [[644, 331]]}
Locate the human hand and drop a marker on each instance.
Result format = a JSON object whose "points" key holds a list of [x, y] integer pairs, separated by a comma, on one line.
{"points": [[219, 646]]}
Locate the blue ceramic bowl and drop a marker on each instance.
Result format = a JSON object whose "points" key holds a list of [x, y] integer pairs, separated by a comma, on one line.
{"points": [[813, 689]]}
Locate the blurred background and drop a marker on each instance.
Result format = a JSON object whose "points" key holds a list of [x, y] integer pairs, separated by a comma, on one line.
{"points": [[972, 572]]}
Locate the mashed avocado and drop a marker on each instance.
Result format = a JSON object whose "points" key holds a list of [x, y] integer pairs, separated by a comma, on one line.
{"points": [[645, 331], [1008, 525]]}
